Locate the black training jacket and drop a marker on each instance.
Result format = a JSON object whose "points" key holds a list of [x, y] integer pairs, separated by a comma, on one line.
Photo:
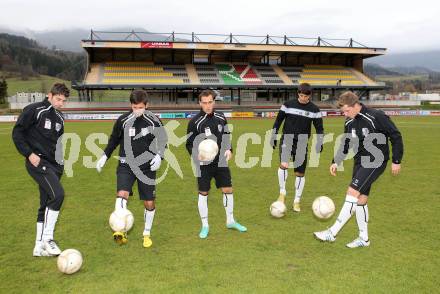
{"points": [[144, 134], [298, 118], [371, 121], [212, 126], [37, 130]]}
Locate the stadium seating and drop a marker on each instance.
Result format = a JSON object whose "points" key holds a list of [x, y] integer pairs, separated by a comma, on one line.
{"points": [[208, 74], [329, 75], [143, 73], [224, 73], [293, 73], [268, 75]]}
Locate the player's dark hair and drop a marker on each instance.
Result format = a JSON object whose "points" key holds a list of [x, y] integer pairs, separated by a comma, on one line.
{"points": [[138, 96], [305, 88], [60, 89], [348, 98], [206, 93]]}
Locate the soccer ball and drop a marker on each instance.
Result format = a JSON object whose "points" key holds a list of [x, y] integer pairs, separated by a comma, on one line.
{"points": [[69, 261], [208, 150], [121, 220], [278, 209], [323, 207]]}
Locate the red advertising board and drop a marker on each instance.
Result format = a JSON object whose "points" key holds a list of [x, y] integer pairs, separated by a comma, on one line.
{"points": [[334, 113], [156, 45]]}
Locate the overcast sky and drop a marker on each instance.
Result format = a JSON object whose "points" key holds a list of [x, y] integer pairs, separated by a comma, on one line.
{"points": [[400, 26]]}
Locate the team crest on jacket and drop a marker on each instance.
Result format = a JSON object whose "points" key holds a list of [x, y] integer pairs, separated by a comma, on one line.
{"points": [[57, 127], [353, 133], [365, 132], [220, 128], [144, 131]]}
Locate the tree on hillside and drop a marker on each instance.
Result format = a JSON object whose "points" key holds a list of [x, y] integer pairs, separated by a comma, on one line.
{"points": [[25, 58], [3, 91]]}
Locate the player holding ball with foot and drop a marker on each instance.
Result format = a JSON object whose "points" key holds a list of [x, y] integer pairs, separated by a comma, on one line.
{"points": [[142, 139], [368, 132], [210, 124]]}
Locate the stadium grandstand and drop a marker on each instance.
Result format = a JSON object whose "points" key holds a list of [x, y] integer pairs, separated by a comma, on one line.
{"points": [[245, 69]]}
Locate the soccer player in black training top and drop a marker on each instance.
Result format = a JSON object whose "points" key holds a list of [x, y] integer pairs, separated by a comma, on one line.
{"points": [[367, 131], [298, 115], [142, 140], [36, 135], [211, 124]]}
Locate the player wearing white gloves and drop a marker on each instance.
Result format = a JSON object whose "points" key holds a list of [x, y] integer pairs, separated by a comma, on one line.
{"points": [[142, 140]]}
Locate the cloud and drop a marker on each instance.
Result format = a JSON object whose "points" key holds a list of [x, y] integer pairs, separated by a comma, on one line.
{"points": [[400, 26]]}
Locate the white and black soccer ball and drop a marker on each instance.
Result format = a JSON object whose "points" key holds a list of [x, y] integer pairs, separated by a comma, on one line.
{"points": [[69, 261], [208, 150], [278, 209], [323, 207], [121, 220]]}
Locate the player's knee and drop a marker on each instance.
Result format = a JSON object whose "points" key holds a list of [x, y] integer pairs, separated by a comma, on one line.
{"points": [[353, 192], [203, 193], [149, 205], [227, 190], [123, 194], [298, 174], [362, 199], [284, 165]]}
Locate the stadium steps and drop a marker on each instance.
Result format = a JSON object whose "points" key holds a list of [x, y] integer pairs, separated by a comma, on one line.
{"points": [[364, 78], [94, 76], [267, 74], [282, 75], [192, 74], [293, 73]]}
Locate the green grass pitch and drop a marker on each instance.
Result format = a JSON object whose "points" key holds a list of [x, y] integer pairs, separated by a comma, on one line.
{"points": [[275, 255]]}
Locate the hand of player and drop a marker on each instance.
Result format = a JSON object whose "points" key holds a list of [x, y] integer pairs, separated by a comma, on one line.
{"points": [[333, 169], [155, 162], [395, 169], [34, 159], [101, 162], [228, 155]]}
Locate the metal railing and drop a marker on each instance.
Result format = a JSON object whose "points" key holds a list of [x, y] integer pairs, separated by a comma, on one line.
{"points": [[224, 39]]}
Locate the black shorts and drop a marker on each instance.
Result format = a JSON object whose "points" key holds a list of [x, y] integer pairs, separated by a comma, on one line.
{"points": [[299, 160], [222, 176], [363, 177], [126, 178]]}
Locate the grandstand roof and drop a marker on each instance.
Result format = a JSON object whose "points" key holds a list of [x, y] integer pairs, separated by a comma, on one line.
{"points": [[267, 44]]}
